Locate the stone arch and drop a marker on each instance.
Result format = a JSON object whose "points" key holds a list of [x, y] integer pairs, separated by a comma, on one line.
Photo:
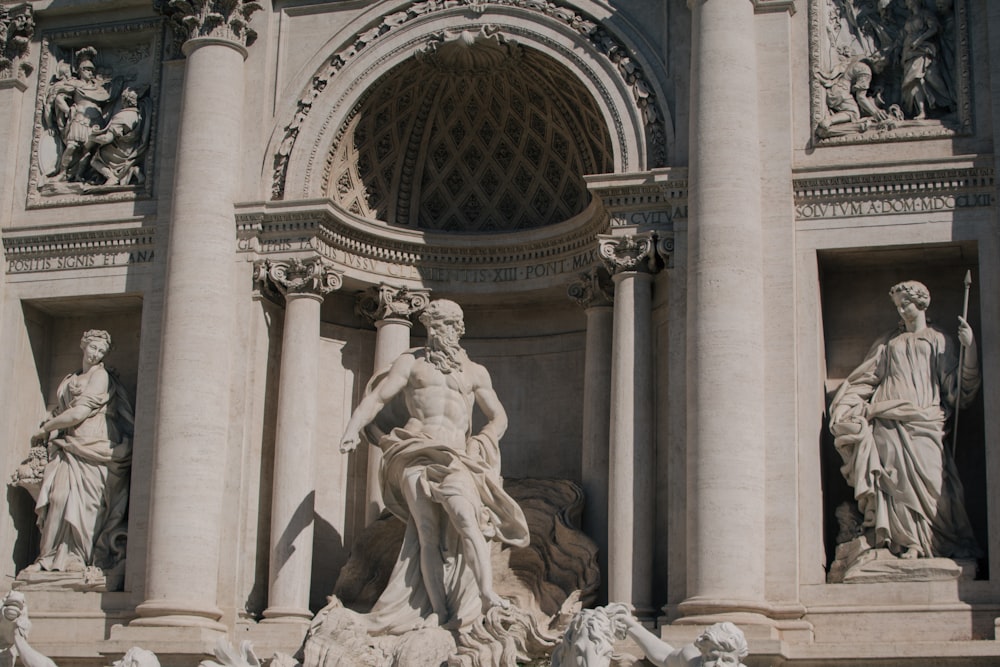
{"points": [[639, 128]]}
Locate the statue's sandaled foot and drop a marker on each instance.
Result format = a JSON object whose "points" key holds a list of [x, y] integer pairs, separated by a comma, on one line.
{"points": [[910, 554]]}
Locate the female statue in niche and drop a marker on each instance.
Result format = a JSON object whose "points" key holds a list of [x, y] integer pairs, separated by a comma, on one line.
{"points": [[83, 500], [923, 86], [890, 419]]}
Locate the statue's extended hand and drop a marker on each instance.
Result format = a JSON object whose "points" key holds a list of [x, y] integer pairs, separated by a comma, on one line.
{"points": [[349, 443], [965, 336], [39, 437]]}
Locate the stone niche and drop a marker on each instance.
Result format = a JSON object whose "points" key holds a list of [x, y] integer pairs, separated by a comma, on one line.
{"points": [[52, 331], [857, 310]]}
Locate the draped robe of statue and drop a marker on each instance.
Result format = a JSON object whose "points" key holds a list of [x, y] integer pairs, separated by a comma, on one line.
{"points": [[469, 466], [890, 419], [83, 501]]}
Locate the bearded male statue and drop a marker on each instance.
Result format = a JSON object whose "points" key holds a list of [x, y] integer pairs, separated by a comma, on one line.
{"points": [[439, 478]]}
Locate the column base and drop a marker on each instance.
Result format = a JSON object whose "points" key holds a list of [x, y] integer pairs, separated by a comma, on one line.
{"points": [[287, 615], [178, 614]]}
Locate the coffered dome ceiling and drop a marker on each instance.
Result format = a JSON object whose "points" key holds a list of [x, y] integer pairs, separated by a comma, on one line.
{"points": [[475, 134]]}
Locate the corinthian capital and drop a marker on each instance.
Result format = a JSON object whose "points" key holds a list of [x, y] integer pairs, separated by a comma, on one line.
{"points": [[630, 252], [594, 288], [290, 277], [217, 19], [386, 302], [17, 25]]}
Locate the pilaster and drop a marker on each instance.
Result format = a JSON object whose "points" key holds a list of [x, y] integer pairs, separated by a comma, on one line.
{"points": [[594, 292], [390, 309], [303, 284], [17, 25]]}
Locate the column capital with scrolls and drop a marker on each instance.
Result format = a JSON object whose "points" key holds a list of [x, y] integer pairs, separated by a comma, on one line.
{"points": [[594, 289], [313, 276], [644, 252], [387, 302], [219, 20]]}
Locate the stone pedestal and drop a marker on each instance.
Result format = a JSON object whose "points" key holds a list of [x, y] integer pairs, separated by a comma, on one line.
{"points": [[725, 350], [304, 284]]}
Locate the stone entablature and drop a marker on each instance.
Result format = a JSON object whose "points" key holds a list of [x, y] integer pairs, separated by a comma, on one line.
{"points": [[36, 251], [839, 195], [650, 200], [374, 253]]}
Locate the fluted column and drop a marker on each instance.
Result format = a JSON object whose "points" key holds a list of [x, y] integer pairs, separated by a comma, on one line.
{"points": [[192, 421], [17, 24], [725, 342], [594, 292], [389, 308], [303, 284], [632, 464]]}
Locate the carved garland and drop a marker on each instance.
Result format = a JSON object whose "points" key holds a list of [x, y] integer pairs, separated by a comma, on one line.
{"points": [[605, 43]]}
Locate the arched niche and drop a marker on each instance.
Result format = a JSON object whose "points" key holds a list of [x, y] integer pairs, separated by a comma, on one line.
{"points": [[557, 40]]}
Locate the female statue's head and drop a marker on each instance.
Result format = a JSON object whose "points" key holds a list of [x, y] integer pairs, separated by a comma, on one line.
{"points": [[916, 292], [95, 344]]}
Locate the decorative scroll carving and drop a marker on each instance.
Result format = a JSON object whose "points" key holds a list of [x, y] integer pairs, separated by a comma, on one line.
{"points": [[95, 115], [387, 302], [605, 43], [594, 288], [219, 19], [17, 25], [630, 252], [889, 71], [295, 276]]}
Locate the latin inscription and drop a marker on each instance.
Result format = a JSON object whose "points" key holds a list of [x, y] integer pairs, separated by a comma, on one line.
{"points": [[68, 262], [891, 206]]}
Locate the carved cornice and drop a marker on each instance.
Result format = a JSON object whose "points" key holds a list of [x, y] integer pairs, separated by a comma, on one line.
{"points": [[893, 193], [34, 250], [402, 255], [17, 25], [312, 276], [600, 39], [226, 20], [388, 302], [594, 289], [630, 252]]}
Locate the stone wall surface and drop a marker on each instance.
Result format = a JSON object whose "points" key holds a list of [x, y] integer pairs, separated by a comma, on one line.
{"points": [[672, 228]]}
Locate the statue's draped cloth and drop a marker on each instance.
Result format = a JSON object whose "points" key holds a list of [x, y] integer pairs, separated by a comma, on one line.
{"points": [[890, 419], [459, 464]]}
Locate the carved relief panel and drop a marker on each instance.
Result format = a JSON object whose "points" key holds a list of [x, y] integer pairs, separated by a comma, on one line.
{"points": [[95, 114], [889, 70]]}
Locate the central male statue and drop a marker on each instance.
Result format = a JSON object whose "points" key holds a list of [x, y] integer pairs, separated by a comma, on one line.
{"points": [[439, 478]]}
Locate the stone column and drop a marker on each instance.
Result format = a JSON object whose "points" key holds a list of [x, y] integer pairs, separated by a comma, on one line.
{"points": [[594, 292], [725, 341], [17, 24], [632, 464], [195, 382], [389, 309], [303, 284]]}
